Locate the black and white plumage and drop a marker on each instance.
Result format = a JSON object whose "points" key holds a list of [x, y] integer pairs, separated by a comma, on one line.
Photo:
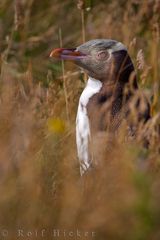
{"points": [[104, 102]]}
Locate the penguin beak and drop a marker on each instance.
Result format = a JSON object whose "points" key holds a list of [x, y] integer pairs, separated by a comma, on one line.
{"points": [[66, 54]]}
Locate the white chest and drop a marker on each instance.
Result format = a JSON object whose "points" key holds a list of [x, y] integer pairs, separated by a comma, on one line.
{"points": [[82, 123]]}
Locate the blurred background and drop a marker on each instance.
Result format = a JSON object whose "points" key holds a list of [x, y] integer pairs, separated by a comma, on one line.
{"points": [[40, 186]]}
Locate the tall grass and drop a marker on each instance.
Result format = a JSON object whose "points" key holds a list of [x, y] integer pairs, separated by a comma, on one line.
{"points": [[40, 186]]}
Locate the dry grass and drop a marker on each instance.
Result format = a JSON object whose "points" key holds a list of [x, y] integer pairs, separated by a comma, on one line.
{"points": [[40, 183]]}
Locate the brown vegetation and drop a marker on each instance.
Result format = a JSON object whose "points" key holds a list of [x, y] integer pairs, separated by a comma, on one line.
{"points": [[40, 186]]}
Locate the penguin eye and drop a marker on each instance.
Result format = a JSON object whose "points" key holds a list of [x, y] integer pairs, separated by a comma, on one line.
{"points": [[102, 55]]}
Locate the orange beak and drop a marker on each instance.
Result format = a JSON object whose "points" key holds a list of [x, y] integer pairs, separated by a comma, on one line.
{"points": [[66, 54]]}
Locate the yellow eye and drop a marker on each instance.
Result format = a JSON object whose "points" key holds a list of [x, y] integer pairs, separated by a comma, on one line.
{"points": [[102, 55]]}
